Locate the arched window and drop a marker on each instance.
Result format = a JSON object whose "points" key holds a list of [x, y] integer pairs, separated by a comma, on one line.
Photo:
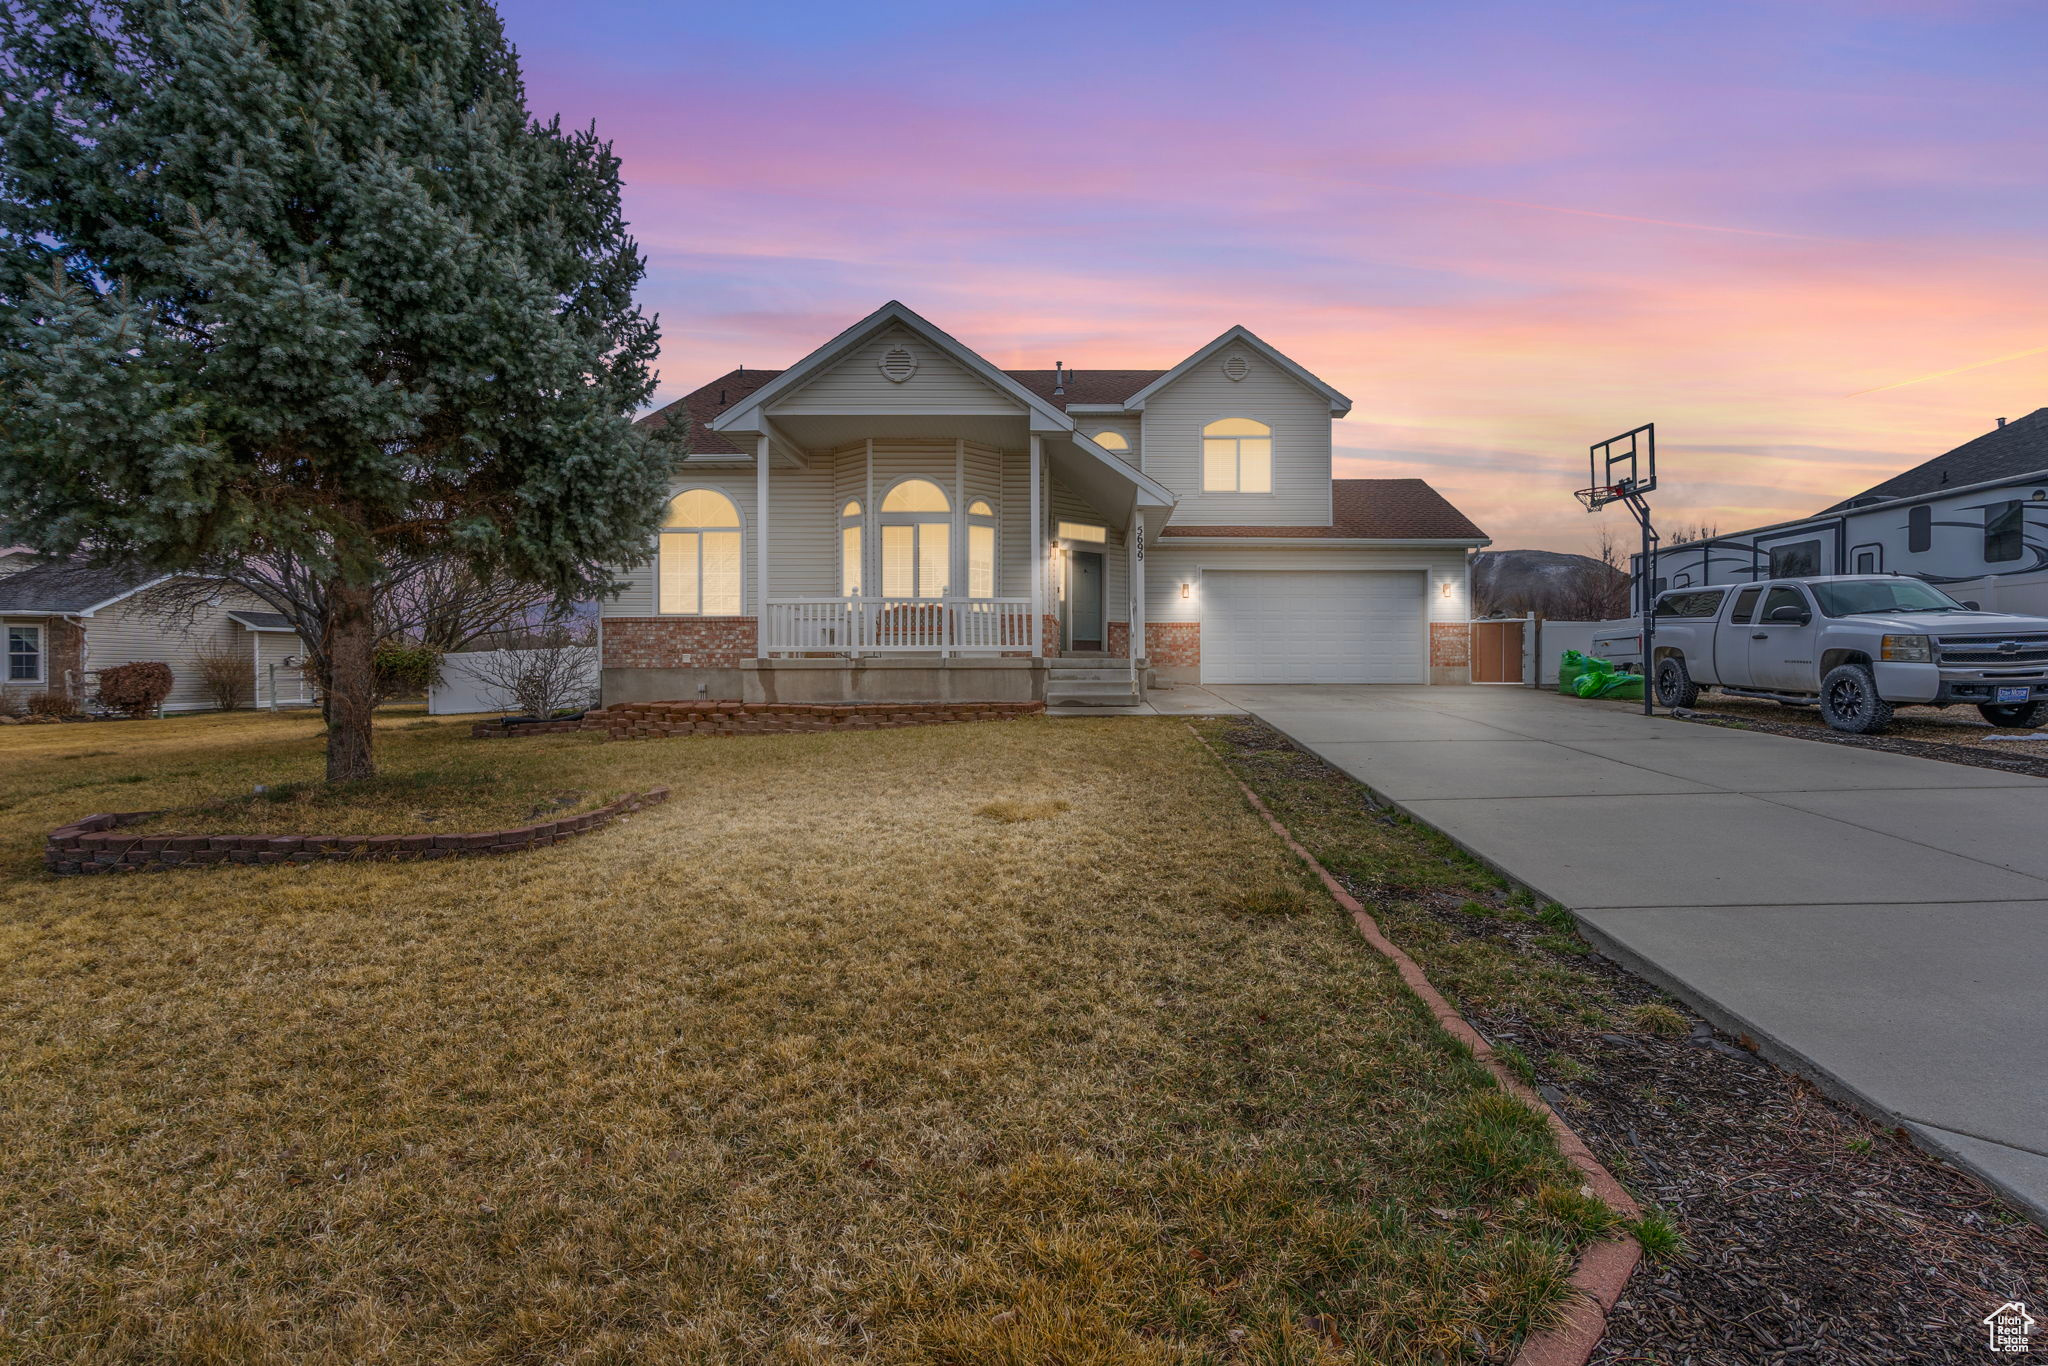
{"points": [[917, 541], [1112, 441], [849, 549], [1237, 456], [981, 549], [699, 560]]}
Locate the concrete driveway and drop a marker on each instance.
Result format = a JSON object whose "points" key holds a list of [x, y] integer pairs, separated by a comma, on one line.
{"points": [[1876, 921]]}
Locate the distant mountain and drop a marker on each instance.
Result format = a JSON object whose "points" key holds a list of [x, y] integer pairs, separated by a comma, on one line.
{"points": [[1562, 587]]}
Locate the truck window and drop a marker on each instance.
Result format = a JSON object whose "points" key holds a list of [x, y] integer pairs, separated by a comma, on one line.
{"points": [[1745, 604], [1795, 560], [1694, 606], [1782, 596]]}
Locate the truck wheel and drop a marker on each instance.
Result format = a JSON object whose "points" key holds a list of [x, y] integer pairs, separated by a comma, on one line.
{"points": [[1675, 687], [1849, 700], [2023, 715]]}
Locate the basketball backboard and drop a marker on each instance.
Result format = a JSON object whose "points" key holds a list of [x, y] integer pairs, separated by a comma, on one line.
{"points": [[1620, 466]]}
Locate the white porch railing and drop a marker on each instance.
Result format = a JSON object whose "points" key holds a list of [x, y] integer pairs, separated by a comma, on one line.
{"points": [[905, 625]]}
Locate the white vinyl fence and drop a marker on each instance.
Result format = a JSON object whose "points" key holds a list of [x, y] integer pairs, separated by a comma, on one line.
{"points": [[1619, 642], [465, 688]]}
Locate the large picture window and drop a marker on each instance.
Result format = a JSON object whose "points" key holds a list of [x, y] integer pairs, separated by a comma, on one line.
{"points": [[1237, 456], [917, 541], [24, 654], [700, 556]]}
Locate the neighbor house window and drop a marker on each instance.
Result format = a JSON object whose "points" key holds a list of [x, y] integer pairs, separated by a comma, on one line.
{"points": [[24, 654], [917, 541], [1112, 441], [1237, 456], [1919, 529], [2005, 531], [849, 549], [700, 556], [981, 550]]}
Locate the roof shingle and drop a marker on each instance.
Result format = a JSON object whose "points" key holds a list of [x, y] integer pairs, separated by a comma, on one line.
{"points": [[2019, 447], [1367, 509], [60, 586]]}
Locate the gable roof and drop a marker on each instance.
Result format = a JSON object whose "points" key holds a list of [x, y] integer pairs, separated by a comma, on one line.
{"points": [[68, 586], [2019, 447], [262, 621], [891, 314], [1242, 336], [1366, 509]]}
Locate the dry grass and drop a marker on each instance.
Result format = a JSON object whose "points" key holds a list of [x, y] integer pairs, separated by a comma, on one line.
{"points": [[813, 1064]]}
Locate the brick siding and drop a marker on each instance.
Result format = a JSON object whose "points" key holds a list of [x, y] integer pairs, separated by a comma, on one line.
{"points": [[1174, 644], [1450, 645], [678, 642], [1119, 641]]}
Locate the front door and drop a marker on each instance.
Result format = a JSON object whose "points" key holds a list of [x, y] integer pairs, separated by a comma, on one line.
{"points": [[1084, 600]]}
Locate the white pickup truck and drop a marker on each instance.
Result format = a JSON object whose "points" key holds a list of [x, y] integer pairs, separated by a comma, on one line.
{"points": [[1857, 645]]}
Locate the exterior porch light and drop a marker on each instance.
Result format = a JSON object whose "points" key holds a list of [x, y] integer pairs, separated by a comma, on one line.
{"points": [[1186, 589]]}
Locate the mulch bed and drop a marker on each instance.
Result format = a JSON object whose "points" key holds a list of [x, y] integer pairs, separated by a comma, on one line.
{"points": [[2018, 760], [1813, 1235]]}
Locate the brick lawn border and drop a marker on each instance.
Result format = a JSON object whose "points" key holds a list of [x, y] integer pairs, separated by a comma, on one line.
{"points": [[1605, 1266], [641, 720], [94, 846]]}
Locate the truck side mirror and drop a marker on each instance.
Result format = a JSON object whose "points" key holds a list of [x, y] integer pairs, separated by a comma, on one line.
{"points": [[1798, 616], [1969, 605]]}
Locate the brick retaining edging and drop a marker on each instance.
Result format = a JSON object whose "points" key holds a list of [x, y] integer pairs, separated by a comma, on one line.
{"points": [[90, 846], [640, 720]]}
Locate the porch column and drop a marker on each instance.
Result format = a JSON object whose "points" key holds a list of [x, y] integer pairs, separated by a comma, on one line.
{"points": [[1134, 542], [1037, 544], [761, 546]]}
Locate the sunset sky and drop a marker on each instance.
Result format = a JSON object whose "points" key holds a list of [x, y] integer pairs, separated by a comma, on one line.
{"points": [[1505, 230]]}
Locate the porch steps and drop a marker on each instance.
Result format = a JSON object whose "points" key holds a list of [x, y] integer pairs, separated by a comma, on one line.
{"points": [[1085, 686]]}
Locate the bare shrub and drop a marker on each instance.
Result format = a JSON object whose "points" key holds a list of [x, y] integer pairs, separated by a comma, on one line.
{"points": [[52, 703], [228, 676], [11, 703], [553, 676]]}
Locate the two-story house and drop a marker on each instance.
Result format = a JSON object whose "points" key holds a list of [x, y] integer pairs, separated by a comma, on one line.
{"points": [[894, 518]]}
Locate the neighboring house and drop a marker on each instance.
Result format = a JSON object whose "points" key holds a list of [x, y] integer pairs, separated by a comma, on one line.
{"points": [[63, 622], [893, 517], [1973, 520]]}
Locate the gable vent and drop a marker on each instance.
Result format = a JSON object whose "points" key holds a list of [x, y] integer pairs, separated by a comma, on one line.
{"points": [[898, 364], [1236, 367]]}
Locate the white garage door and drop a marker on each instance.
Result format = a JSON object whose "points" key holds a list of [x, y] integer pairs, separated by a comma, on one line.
{"points": [[1312, 626]]}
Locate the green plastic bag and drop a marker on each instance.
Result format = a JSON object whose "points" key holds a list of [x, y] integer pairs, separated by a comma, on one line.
{"points": [[1570, 666], [1609, 683]]}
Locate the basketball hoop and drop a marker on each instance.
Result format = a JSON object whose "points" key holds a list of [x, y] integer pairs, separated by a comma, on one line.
{"points": [[1599, 496], [1628, 464]]}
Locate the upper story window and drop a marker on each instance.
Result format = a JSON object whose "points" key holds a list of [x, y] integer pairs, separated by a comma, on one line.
{"points": [[981, 550], [24, 654], [917, 541], [1237, 456], [700, 556], [849, 549], [1112, 441]]}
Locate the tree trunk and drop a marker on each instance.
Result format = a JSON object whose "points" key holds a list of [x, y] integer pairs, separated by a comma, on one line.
{"points": [[351, 641]]}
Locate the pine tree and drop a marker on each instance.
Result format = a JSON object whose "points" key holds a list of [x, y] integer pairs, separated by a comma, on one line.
{"points": [[295, 291]]}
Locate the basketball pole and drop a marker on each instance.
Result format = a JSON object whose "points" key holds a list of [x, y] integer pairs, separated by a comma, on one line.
{"points": [[1632, 488], [1646, 588]]}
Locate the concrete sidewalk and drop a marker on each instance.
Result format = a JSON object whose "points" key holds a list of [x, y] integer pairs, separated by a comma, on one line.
{"points": [[1876, 921]]}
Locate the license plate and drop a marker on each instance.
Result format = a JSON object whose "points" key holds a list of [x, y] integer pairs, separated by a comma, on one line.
{"points": [[2014, 694]]}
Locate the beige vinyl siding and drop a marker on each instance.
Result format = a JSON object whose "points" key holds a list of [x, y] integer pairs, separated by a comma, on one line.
{"points": [[1126, 425], [1298, 415], [1167, 565], [855, 384], [128, 632]]}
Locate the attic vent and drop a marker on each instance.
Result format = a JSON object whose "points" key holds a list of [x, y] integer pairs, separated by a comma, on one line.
{"points": [[1236, 367], [898, 364]]}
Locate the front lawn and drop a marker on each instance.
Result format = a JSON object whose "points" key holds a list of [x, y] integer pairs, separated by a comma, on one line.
{"points": [[1019, 1042]]}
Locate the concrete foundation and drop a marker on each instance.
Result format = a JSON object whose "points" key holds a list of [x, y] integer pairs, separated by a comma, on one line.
{"points": [[668, 685]]}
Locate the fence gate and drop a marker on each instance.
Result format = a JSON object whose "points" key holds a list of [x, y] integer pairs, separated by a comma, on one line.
{"points": [[1497, 651]]}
